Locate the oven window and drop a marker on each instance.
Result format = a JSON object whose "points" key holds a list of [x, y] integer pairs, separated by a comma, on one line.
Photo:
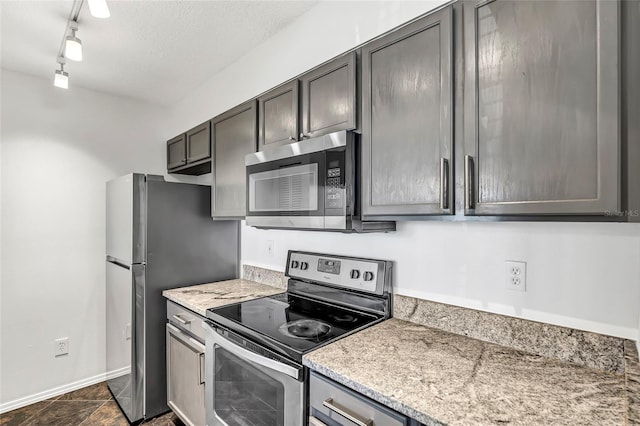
{"points": [[244, 395], [288, 189]]}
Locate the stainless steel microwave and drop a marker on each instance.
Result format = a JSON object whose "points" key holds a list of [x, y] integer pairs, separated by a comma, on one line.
{"points": [[312, 184]]}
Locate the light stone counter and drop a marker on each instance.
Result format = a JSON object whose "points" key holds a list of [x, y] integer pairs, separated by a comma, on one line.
{"points": [[438, 377], [199, 298]]}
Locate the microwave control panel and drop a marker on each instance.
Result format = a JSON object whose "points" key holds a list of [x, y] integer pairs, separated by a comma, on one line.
{"points": [[334, 186]]}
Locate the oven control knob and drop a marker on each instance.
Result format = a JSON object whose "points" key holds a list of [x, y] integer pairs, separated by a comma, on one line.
{"points": [[368, 276], [294, 264], [304, 266], [355, 274]]}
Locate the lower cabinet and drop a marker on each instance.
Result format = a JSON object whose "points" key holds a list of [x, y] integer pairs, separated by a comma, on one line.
{"points": [[185, 372]]}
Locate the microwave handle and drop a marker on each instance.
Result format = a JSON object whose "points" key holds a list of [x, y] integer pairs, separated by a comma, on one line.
{"points": [[239, 351]]}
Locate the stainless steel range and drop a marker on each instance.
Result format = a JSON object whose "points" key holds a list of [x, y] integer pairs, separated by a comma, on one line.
{"points": [[254, 349]]}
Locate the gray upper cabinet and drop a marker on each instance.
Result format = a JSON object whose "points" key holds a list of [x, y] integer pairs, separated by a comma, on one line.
{"points": [[234, 135], [329, 97], [541, 107], [278, 116], [176, 152], [199, 143], [407, 120], [190, 153]]}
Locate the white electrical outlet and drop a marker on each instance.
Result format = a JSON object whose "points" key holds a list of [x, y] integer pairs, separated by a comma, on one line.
{"points": [[515, 275], [61, 346], [271, 246]]}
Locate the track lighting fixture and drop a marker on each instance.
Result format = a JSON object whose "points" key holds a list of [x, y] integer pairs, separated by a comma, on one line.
{"points": [[61, 78], [99, 8], [73, 45]]}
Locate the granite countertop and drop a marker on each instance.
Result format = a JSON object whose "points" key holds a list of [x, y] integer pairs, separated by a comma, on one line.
{"points": [[199, 298], [437, 377]]}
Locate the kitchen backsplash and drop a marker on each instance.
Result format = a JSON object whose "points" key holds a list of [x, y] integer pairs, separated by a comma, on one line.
{"points": [[264, 276], [580, 347]]}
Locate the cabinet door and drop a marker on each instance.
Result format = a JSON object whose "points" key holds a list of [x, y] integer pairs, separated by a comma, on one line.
{"points": [[329, 97], [199, 143], [541, 107], [407, 121], [278, 116], [176, 152], [185, 376], [234, 135]]}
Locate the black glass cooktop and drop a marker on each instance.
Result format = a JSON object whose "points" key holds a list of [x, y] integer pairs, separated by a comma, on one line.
{"points": [[289, 323]]}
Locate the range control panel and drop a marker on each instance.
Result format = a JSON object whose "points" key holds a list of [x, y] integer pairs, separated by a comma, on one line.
{"points": [[353, 273]]}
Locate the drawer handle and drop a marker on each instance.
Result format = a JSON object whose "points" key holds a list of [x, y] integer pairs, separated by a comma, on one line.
{"points": [[181, 320], [313, 421], [347, 414]]}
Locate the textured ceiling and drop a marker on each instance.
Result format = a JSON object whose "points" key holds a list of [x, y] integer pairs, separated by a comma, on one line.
{"points": [[156, 51]]}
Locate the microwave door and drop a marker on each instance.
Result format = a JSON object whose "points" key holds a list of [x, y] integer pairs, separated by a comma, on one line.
{"points": [[282, 194]]}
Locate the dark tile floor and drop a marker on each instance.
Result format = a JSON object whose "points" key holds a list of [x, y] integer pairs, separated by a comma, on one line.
{"points": [[90, 406]]}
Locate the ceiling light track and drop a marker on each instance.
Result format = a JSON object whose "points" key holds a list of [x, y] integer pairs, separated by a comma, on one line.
{"points": [[71, 46]]}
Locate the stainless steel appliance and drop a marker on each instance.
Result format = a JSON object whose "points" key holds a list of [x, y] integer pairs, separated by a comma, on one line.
{"points": [[185, 364], [312, 184], [159, 235], [254, 348]]}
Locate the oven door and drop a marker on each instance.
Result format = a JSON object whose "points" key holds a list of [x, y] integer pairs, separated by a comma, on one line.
{"points": [[245, 388]]}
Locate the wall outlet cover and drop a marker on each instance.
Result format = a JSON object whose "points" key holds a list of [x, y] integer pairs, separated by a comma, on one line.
{"points": [[61, 346], [515, 275]]}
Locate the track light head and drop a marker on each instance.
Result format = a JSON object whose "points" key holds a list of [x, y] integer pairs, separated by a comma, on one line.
{"points": [[73, 45], [61, 78], [99, 8]]}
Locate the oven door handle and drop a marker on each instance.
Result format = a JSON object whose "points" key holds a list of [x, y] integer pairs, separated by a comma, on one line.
{"points": [[254, 357]]}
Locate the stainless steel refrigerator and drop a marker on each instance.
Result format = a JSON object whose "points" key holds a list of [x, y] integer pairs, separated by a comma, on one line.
{"points": [[160, 235]]}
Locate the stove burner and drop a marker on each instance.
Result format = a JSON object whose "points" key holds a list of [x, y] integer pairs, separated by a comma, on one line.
{"points": [[305, 329]]}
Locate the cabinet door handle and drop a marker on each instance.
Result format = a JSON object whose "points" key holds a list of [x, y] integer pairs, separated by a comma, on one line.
{"points": [[468, 182], [444, 183], [202, 373], [352, 417]]}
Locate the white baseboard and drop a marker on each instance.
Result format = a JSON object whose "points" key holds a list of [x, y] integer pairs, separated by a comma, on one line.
{"points": [[60, 390]]}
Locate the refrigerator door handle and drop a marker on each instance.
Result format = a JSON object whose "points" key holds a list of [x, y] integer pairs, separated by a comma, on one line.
{"points": [[117, 262]]}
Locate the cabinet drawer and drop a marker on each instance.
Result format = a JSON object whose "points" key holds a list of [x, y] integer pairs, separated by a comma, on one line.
{"points": [[332, 404], [186, 320]]}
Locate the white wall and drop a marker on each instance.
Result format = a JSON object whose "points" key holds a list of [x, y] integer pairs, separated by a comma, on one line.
{"points": [[58, 150], [580, 275], [583, 276]]}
